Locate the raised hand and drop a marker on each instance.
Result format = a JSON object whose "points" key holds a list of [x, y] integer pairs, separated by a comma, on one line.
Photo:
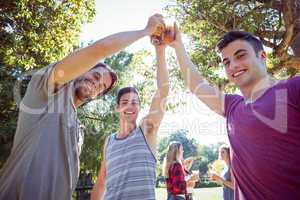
{"points": [[155, 22], [195, 177], [178, 40], [214, 177]]}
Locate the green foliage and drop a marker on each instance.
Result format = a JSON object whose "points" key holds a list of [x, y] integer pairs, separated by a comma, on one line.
{"points": [[33, 34], [99, 117], [8, 112], [204, 155], [9, 79], [206, 21], [101, 120], [36, 33], [189, 144], [208, 154]]}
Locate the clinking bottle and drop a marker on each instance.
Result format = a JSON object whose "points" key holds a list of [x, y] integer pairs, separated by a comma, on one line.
{"points": [[163, 35]]}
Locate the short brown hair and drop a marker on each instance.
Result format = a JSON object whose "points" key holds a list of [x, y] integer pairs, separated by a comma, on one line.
{"points": [[126, 90], [113, 75], [232, 36]]}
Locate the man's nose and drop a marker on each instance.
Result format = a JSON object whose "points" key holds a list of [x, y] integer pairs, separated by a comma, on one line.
{"points": [[233, 65]]}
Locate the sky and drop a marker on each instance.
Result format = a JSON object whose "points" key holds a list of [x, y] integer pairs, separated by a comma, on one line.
{"points": [[114, 16]]}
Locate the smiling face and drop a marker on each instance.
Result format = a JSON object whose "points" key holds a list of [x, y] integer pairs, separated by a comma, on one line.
{"points": [[223, 154], [128, 107], [243, 66], [92, 83]]}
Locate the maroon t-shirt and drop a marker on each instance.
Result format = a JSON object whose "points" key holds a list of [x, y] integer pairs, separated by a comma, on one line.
{"points": [[265, 141]]}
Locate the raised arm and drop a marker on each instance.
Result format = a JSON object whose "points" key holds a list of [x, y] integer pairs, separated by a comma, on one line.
{"points": [[187, 163], [151, 122], [84, 59], [195, 82]]}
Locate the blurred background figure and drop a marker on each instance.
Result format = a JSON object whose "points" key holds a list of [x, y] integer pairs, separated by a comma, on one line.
{"points": [[226, 178], [191, 177], [173, 170]]}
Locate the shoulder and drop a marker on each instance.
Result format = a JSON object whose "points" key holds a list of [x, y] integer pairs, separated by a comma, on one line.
{"points": [[38, 85], [295, 79], [42, 74], [291, 87], [108, 141], [293, 82], [147, 125], [229, 98], [231, 101]]}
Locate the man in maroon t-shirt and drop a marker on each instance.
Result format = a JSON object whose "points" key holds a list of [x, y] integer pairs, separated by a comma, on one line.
{"points": [[263, 123]]}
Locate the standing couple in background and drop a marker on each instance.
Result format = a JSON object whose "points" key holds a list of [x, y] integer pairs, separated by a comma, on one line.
{"points": [[263, 123], [180, 180]]}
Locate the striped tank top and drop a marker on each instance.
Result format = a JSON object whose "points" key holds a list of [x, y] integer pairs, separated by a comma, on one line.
{"points": [[130, 168]]}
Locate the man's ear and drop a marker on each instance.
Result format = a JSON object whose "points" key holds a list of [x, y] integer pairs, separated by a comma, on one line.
{"points": [[263, 55]]}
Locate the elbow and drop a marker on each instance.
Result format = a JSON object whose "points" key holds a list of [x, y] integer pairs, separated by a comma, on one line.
{"points": [[164, 91], [194, 88], [101, 48]]}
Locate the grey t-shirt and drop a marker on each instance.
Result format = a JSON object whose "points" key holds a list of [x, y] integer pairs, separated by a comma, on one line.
{"points": [[44, 162]]}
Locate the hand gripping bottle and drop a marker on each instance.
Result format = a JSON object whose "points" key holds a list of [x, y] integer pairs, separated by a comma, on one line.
{"points": [[163, 35]]}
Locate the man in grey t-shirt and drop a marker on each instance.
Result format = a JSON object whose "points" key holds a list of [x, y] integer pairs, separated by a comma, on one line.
{"points": [[44, 161]]}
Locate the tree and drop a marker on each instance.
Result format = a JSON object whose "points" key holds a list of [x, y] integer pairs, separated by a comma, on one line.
{"points": [[189, 147], [36, 33], [275, 22], [189, 144], [100, 119], [217, 167], [204, 155], [33, 34], [8, 114], [208, 154]]}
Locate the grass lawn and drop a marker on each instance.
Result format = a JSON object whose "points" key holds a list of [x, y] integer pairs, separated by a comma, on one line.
{"points": [[198, 194]]}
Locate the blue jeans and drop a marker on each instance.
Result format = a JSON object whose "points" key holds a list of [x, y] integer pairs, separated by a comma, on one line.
{"points": [[173, 197]]}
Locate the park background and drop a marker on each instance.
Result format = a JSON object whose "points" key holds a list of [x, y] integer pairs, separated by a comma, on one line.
{"points": [[34, 34]]}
